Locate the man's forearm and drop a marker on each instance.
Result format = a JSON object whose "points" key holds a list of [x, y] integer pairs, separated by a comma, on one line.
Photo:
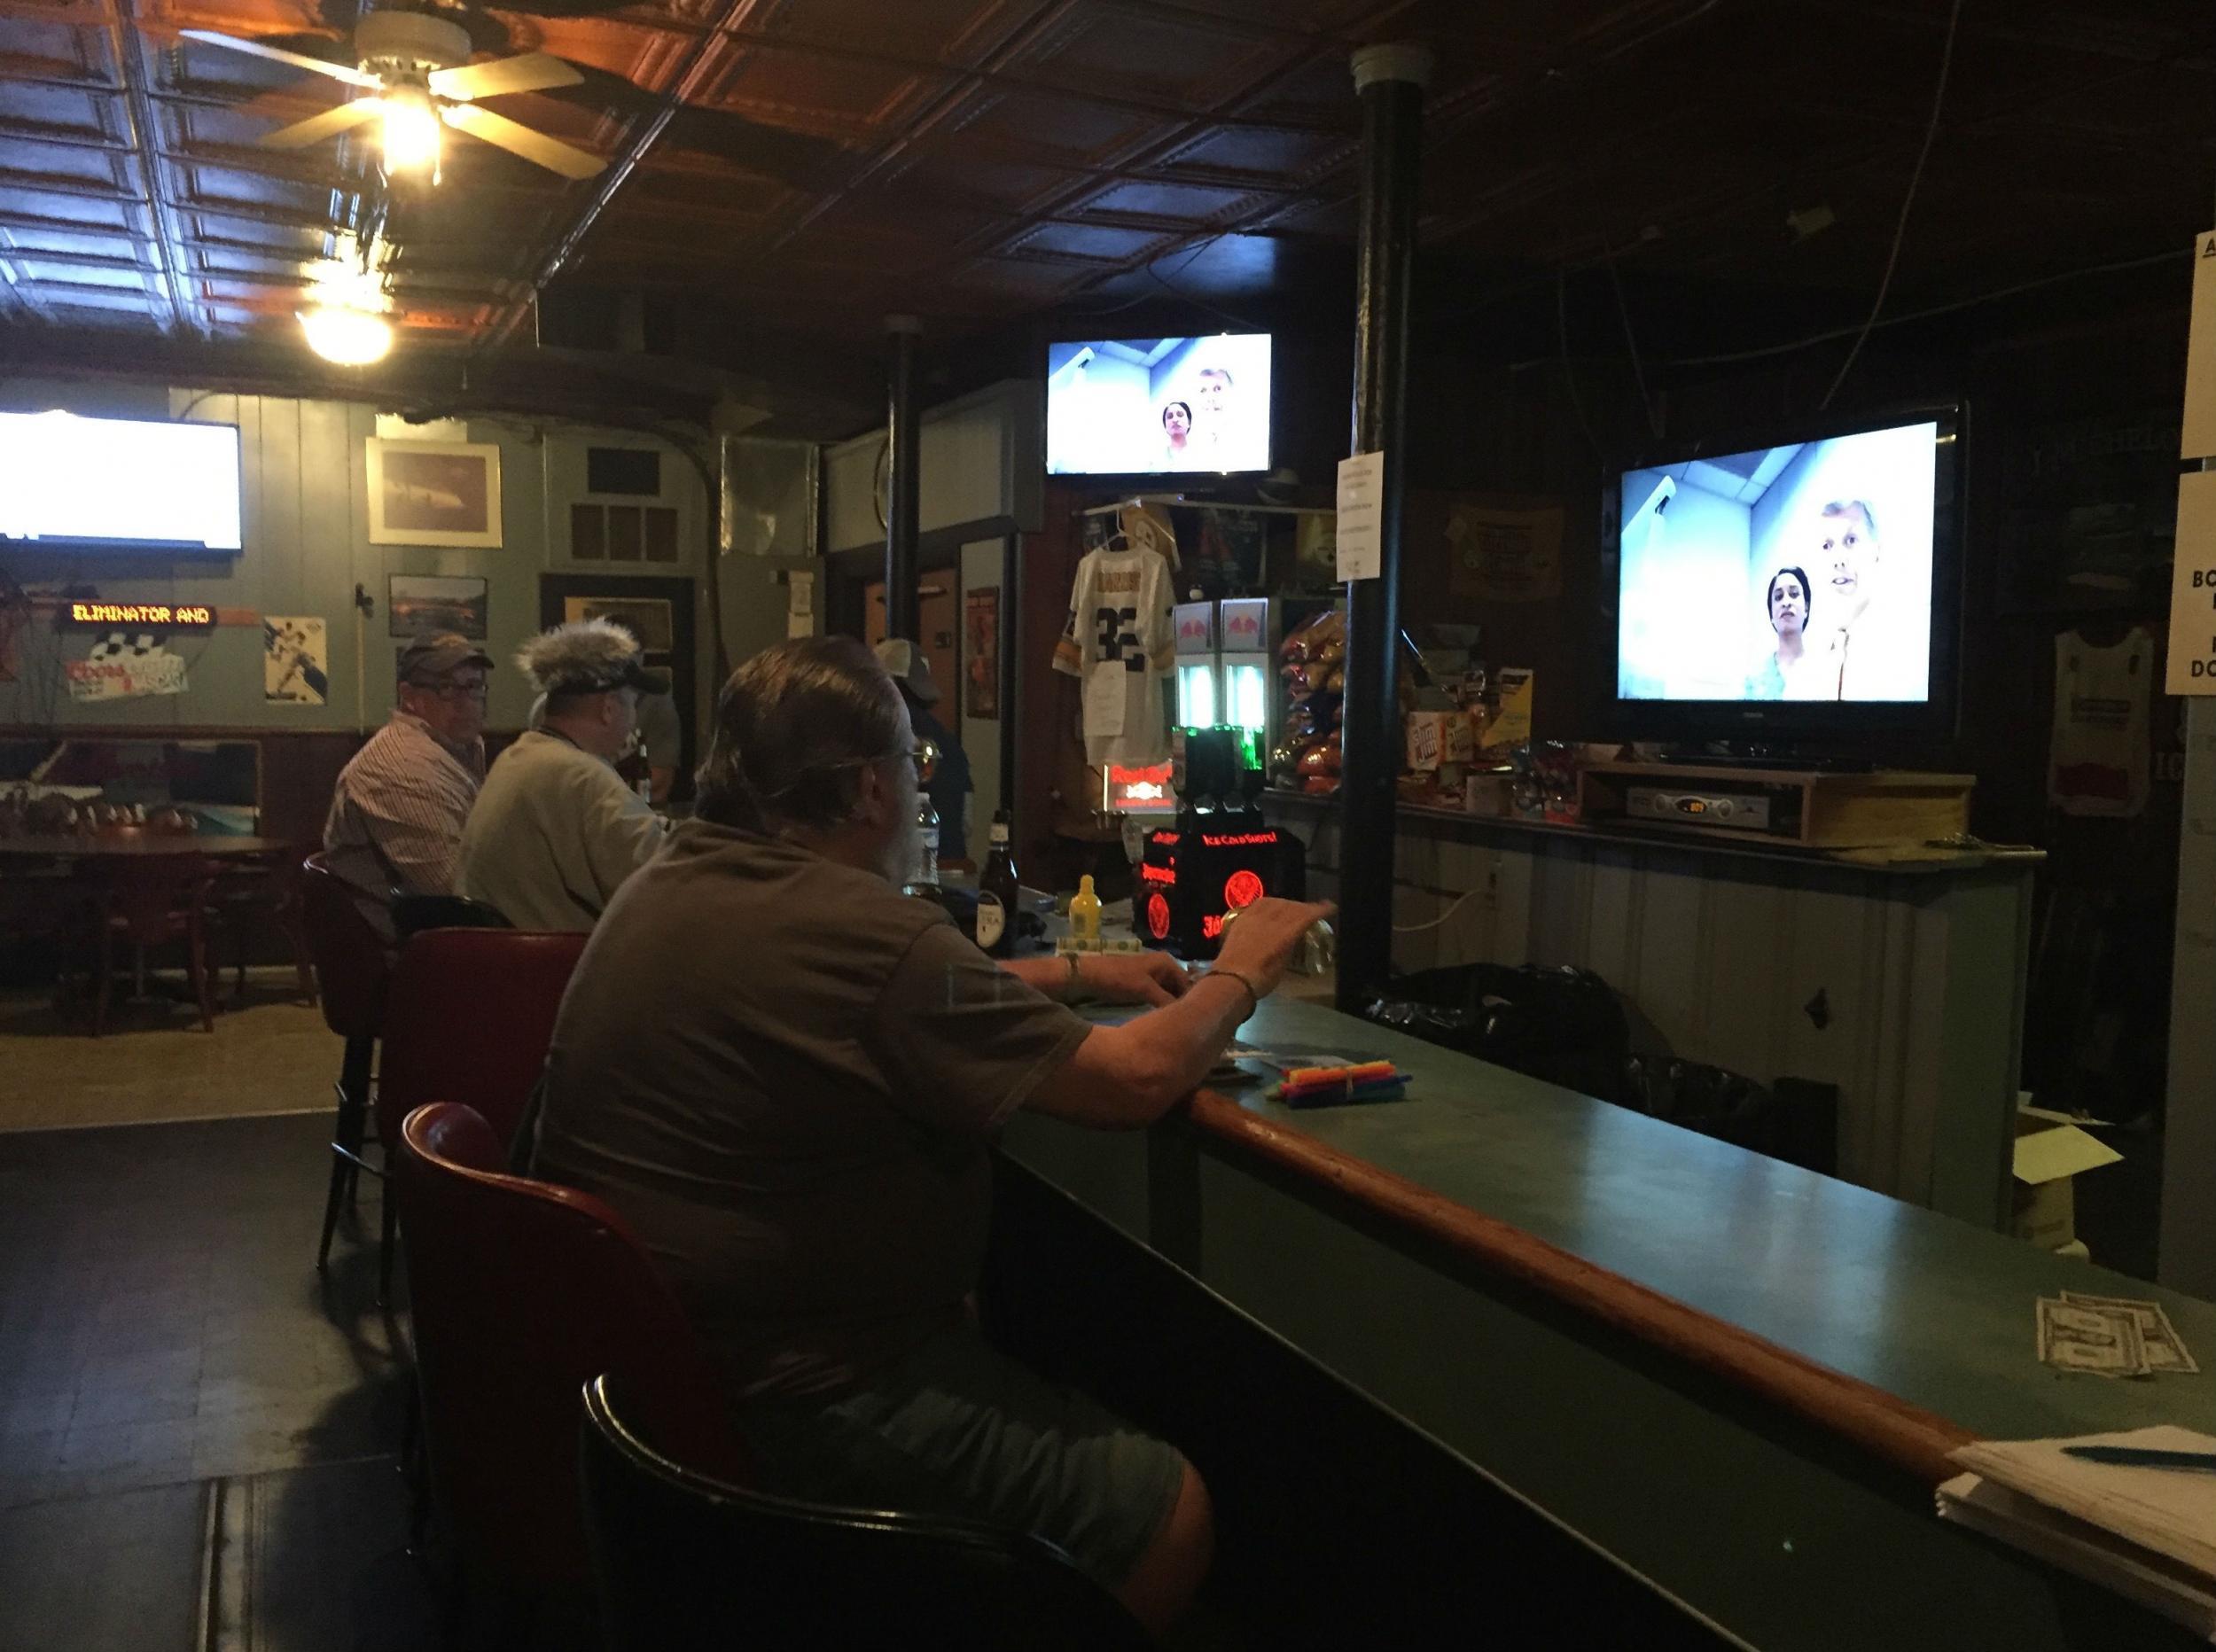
{"points": [[1129, 1075], [1051, 978]]}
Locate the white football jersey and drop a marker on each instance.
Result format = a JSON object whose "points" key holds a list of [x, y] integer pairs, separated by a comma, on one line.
{"points": [[1120, 625]]}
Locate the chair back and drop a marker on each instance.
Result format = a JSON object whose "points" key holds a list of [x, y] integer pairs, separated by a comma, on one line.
{"points": [[681, 1559], [351, 969], [522, 1292], [155, 899], [414, 914], [468, 1019]]}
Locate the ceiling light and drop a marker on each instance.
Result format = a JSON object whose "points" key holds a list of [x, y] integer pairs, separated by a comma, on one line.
{"points": [[411, 132], [348, 337]]}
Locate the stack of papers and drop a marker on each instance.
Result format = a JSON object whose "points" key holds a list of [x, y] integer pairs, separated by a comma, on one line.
{"points": [[2148, 1533]]}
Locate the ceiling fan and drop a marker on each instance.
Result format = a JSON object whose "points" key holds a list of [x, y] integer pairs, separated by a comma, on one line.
{"points": [[417, 69]]}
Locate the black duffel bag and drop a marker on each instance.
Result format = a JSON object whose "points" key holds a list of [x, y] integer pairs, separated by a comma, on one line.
{"points": [[1556, 1023]]}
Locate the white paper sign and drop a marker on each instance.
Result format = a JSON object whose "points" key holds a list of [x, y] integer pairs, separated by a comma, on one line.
{"points": [[2198, 436], [1360, 516], [2193, 588], [1105, 698], [800, 614]]}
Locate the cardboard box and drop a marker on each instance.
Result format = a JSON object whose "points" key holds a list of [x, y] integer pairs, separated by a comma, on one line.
{"points": [[2051, 1152], [1437, 738]]}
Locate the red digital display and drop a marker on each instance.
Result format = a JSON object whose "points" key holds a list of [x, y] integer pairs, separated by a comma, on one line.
{"points": [[1212, 926], [1162, 874], [1238, 840], [1158, 916]]}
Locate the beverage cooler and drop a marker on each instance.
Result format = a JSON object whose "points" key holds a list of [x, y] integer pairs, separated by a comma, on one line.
{"points": [[1225, 652]]}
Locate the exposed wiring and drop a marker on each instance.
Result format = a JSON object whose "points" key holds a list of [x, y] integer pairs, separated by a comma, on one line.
{"points": [[1900, 228], [1569, 367], [1417, 929], [1630, 343]]}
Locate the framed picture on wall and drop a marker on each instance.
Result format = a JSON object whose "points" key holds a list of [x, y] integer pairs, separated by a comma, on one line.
{"points": [[418, 603], [434, 493], [646, 617], [980, 653]]}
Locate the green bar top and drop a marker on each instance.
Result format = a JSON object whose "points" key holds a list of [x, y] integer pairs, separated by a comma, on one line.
{"points": [[1933, 1310]]}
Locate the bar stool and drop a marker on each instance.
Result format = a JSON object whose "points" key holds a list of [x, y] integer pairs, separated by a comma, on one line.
{"points": [[682, 1560], [352, 974], [468, 1018], [522, 1292]]}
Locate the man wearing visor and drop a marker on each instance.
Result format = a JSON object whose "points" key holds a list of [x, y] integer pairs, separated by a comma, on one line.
{"points": [[555, 831]]}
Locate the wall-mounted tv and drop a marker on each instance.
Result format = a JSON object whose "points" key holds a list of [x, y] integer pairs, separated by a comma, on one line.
{"points": [[1800, 589], [1153, 406], [73, 484]]}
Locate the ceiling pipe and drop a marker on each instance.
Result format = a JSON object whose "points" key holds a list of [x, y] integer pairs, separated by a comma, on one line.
{"points": [[691, 74]]}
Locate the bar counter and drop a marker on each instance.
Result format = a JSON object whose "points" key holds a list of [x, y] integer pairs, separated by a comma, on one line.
{"points": [[1734, 1378]]}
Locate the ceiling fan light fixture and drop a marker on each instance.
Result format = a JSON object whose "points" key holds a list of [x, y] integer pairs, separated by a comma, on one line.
{"points": [[345, 336], [411, 132]]}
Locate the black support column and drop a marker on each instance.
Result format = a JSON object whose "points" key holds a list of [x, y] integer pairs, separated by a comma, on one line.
{"points": [[1390, 81], [902, 433]]}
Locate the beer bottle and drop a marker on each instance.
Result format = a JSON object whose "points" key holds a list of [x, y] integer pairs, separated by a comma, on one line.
{"points": [[997, 892]]}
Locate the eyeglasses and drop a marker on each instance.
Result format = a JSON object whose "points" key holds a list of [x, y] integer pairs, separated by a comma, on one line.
{"points": [[924, 754], [481, 688]]}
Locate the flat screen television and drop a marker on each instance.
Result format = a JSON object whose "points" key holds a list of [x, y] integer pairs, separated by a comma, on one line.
{"points": [[1803, 588], [114, 484], [1157, 406]]}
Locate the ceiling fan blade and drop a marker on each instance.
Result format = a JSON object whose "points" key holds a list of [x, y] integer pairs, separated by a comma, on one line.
{"points": [[278, 54], [534, 72], [346, 116], [518, 139]]}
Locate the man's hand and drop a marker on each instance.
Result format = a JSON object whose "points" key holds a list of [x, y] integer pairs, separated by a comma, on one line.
{"points": [[1259, 939], [1132, 978]]}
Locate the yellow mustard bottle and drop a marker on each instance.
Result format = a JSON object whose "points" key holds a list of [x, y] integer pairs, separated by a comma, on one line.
{"points": [[1085, 913]]}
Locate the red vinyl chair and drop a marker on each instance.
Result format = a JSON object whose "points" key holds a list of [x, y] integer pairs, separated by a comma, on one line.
{"points": [[352, 975], [147, 903], [523, 1292], [469, 1018]]}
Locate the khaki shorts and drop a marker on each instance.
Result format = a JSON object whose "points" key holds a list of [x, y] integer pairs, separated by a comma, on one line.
{"points": [[955, 1428]]}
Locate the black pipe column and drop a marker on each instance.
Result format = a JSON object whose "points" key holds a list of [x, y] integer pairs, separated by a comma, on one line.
{"points": [[1390, 81], [902, 432], [1010, 613]]}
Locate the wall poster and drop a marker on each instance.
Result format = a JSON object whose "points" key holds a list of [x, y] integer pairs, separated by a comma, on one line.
{"points": [[125, 666], [980, 653], [295, 661], [418, 603]]}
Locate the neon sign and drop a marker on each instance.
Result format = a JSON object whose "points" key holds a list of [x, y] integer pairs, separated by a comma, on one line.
{"points": [[1238, 840], [1243, 888], [1212, 926], [1157, 915], [166, 616], [1162, 874]]}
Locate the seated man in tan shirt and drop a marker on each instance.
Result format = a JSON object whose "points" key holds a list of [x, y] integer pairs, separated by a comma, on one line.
{"points": [[787, 1074], [555, 830]]}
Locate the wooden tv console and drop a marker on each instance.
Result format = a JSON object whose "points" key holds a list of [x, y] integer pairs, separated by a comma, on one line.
{"points": [[1812, 808]]}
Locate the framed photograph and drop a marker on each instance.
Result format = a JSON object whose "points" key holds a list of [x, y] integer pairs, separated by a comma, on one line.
{"points": [[434, 493], [417, 604], [645, 617], [980, 653]]}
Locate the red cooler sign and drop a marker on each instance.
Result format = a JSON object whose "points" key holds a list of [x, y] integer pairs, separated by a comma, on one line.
{"points": [[1242, 889], [1158, 916]]}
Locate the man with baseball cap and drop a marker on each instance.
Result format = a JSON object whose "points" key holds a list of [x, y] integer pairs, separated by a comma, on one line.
{"points": [[949, 782], [555, 831], [396, 813]]}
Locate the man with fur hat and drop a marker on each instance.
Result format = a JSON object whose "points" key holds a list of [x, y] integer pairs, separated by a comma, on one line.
{"points": [[555, 831]]}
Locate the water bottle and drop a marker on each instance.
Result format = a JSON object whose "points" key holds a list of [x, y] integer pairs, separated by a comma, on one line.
{"points": [[927, 872]]}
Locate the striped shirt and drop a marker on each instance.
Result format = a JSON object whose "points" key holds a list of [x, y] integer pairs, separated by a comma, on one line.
{"points": [[397, 814]]}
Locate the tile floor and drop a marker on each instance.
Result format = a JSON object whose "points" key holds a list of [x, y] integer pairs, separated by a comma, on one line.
{"points": [[271, 1055], [168, 1353]]}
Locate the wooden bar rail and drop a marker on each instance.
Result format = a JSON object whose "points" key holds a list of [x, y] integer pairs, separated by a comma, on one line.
{"points": [[1907, 1438]]}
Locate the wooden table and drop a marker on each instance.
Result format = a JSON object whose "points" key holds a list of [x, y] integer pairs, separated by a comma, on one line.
{"points": [[139, 846]]}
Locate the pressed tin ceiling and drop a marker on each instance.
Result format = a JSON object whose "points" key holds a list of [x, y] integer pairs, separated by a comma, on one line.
{"points": [[814, 164]]}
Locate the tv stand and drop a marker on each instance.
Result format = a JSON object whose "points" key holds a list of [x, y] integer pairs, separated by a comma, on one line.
{"points": [[1739, 754]]}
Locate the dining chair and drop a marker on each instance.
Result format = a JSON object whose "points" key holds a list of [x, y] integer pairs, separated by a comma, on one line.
{"points": [[148, 902]]}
